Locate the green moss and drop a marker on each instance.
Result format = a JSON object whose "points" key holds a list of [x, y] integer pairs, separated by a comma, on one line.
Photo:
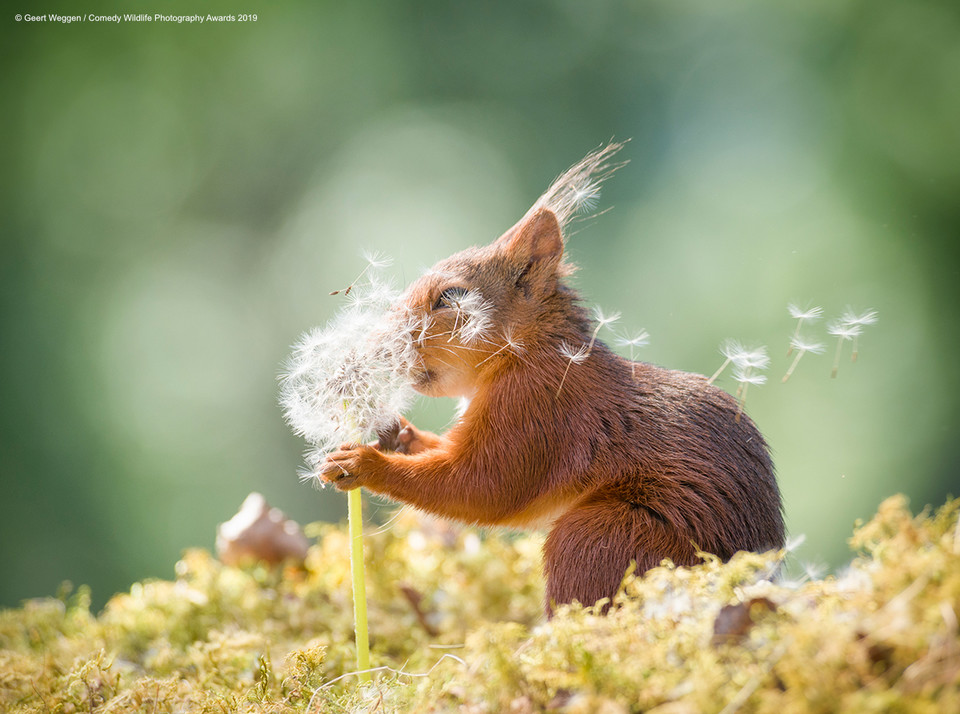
{"points": [[465, 612]]}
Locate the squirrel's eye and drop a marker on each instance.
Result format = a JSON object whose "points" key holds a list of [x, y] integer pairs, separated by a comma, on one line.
{"points": [[449, 298]]}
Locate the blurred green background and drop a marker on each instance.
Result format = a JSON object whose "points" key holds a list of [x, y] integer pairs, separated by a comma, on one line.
{"points": [[178, 200]]}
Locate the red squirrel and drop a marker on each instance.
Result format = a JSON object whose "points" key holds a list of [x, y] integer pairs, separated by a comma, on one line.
{"points": [[622, 461]]}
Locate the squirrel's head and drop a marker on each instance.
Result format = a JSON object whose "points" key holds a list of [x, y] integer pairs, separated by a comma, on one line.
{"points": [[478, 308], [479, 304]]}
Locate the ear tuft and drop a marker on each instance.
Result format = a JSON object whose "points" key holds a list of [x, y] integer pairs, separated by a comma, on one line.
{"points": [[535, 238]]}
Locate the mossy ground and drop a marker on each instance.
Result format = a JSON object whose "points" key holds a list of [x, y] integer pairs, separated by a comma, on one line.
{"points": [[464, 615]]}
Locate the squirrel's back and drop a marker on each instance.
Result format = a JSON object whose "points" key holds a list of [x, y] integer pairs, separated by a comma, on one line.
{"points": [[683, 447]]}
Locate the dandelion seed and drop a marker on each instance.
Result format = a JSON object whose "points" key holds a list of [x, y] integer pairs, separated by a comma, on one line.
{"points": [[732, 351], [801, 316], [602, 321], [585, 198], [754, 359], [811, 314], [581, 353], [578, 188], [374, 261], [746, 376], [641, 339], [802, 345], [849, 317], [842, 331], [814, 571], [746, 364], [869, 317], [573, 356], [794, 543], [511, 344], [473, 318]]}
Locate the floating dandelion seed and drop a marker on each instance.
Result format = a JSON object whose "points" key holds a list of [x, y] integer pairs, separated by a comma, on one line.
{"points": [[801, 316], [603, 320], [869, 317], [849, 317], [802, 345], [641, 339], [731, 350], [746, 363], [811, 314], [374, 261], [585, 198], [746, 374], [578, 188], [842, 331], [755, 358]]}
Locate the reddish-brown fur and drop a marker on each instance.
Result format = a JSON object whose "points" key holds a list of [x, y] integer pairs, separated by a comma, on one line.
{"points": [[627, 462]]}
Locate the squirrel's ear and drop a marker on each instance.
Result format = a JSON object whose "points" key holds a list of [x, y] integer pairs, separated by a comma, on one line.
{"points": [[534, 239]]}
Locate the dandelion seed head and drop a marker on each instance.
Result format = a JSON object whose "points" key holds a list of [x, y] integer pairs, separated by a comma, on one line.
{"points": [[806, 345], [574, 354], [810, 314], [351, 378]]}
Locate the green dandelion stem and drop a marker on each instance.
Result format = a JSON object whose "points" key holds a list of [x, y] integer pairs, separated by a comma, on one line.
{"points": [[357, 575], [355, 519]]}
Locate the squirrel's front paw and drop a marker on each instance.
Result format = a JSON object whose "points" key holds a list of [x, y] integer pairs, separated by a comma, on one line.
{"points": [[350, 467], [404, 438]]}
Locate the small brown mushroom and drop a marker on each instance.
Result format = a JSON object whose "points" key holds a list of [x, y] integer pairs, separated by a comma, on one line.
{"points": [[259, 532]]}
